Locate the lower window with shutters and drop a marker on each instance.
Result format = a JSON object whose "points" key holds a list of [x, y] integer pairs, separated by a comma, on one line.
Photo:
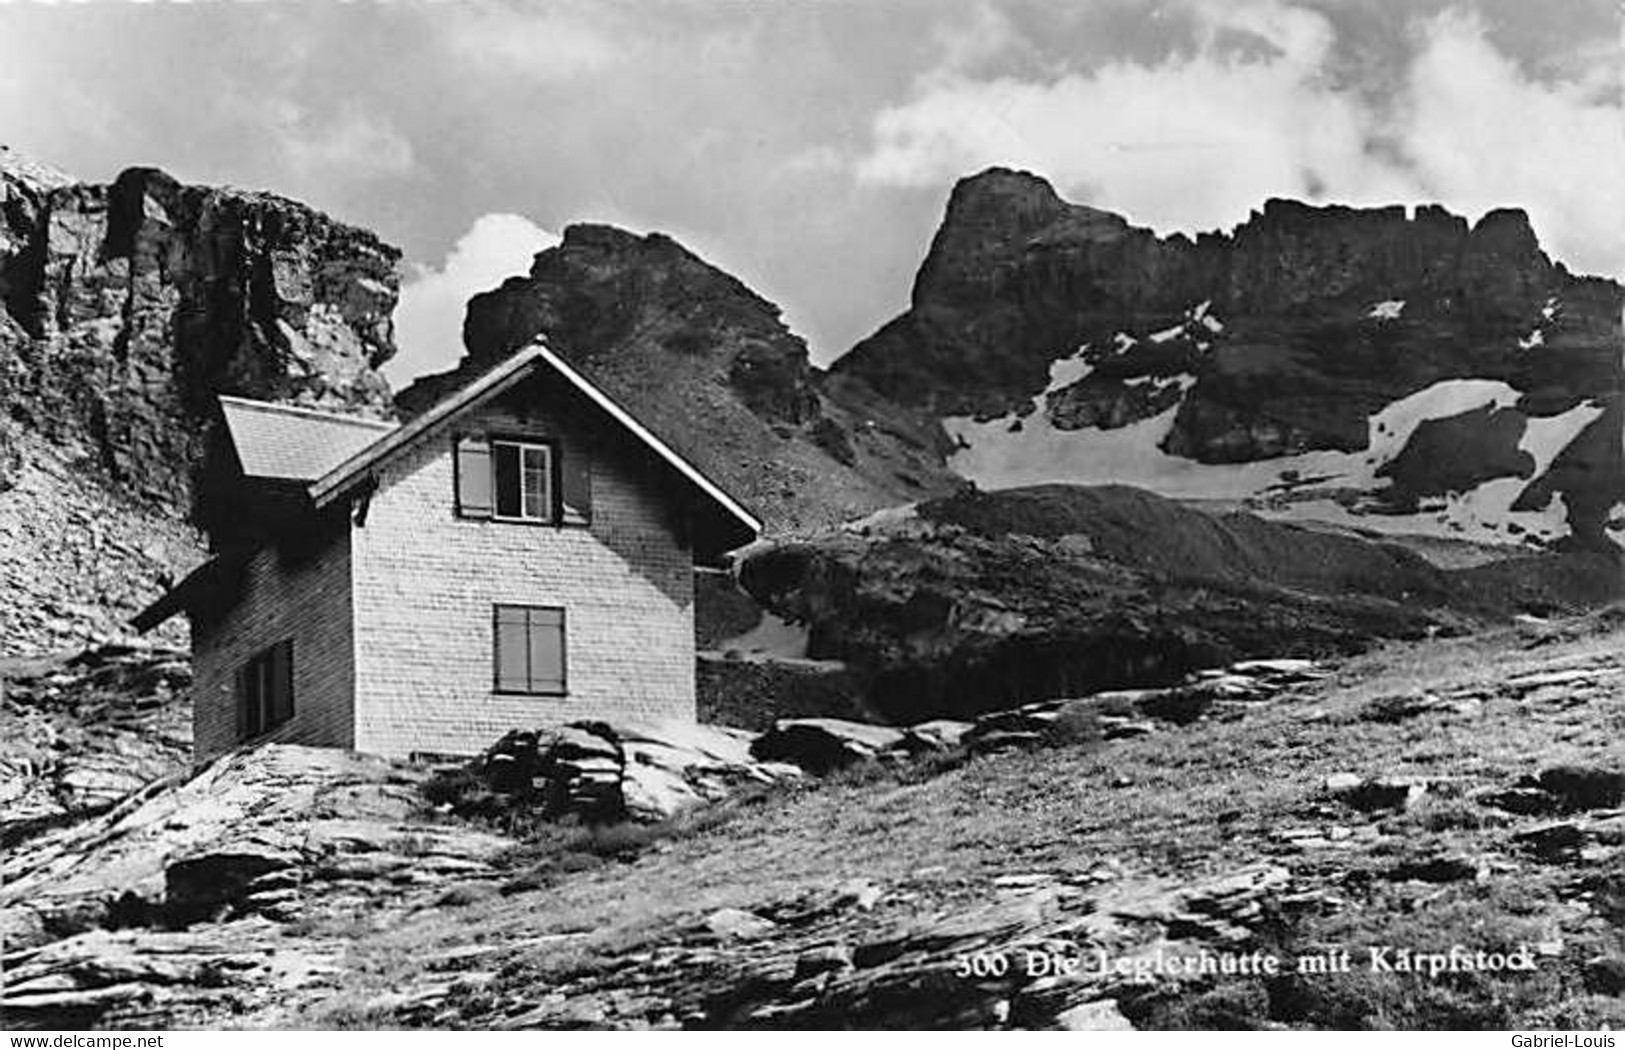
{"points": [[265, 691], [528, 644]]}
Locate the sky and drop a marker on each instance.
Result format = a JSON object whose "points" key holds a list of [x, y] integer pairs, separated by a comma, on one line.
{"points": [[809, 147]]}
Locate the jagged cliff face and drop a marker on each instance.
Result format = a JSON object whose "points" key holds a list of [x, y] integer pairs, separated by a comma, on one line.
{"points": [[1407, 372], [709, 366], [124, 309]]}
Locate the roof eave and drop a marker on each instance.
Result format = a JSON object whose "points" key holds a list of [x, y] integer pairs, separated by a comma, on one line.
{"points": [[334, 484], [683, 466], [183, 596]]}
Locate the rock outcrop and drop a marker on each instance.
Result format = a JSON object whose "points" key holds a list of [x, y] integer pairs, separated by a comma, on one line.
{"points": [[596, 771], [100, 557], [989, 600], [1117, 906], [85, 732], [603, 773], [1289, 336], [708, 365], [127, 306], [822, 745], [233, 893], [824, 959], [176, 905], [282, 885], [752, 691], [124, 308]]}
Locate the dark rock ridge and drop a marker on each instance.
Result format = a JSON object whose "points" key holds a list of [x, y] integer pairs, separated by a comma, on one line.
{"points": [[982, 601], [1296, 357], [125, 307], [752, 691], [708, 365]]}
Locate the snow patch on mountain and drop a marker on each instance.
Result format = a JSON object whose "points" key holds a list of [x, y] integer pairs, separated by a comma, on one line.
{"points": [[1341, 487], [1546, 436], [1069, 370]]}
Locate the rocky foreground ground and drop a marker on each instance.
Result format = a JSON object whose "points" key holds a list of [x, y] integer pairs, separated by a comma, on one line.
{"points": [[81, 732], [1045, 867]]}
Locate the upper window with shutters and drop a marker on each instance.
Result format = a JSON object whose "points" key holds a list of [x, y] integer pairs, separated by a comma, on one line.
{"points": [[522, 479]]}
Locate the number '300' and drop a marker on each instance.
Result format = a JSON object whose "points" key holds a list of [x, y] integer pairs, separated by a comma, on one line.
{"points": [[982, 964]]}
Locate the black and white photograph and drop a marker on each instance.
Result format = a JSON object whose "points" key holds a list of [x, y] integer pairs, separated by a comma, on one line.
{"points": [[704, 515]]}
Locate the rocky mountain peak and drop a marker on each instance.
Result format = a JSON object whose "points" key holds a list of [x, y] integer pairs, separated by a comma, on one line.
{"points": [[1047, 326], [1509, 229], [708, 364], [24, 171], [602, 287], [600, 283], [994, 214], [1003, 198]]}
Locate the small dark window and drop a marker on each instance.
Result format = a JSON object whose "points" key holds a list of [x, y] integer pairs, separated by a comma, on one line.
{"points": [[523, 480], [265, 691], [526, 481], [529, 649]]}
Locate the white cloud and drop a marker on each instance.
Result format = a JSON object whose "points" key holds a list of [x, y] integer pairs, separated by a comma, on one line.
{"points": [[1482, 134], [1194, 141], [429, 317], [1188, 143]]}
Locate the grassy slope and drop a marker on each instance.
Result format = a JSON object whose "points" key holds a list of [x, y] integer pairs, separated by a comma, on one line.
{"points": [[1206, 798]]}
